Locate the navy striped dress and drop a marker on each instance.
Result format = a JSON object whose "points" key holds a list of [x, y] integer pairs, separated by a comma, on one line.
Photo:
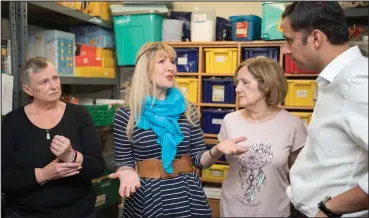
{"points": [[182, 196]]}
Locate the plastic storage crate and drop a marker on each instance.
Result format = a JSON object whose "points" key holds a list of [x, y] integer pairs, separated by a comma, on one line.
{"points": [[272, 53], [94, 36], [216, 171], [57, 46], [245, 27], [211, 120], [272, 20], [187, 60], [221, 60], [134, 30], [218, 91], [189, 88], [304, 116], [106, 190], [102, 115], [291, 67], [301, 93]]}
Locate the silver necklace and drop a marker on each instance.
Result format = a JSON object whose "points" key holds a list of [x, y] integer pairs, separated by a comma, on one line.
{"points": [[47, 130]]}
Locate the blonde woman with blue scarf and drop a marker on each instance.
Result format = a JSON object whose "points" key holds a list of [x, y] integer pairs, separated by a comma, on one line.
{"points": [[158, 140]]}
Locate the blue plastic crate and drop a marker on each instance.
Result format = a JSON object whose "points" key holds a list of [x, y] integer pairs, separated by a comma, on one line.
{"points": [[246, 27], [211, 120], [187, 60], [218, 91], [272, 53]]}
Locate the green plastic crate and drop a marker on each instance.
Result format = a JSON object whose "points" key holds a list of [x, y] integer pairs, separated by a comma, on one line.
{"points": [[107, 190], [102, 115], [134, 30], [271, 20]]}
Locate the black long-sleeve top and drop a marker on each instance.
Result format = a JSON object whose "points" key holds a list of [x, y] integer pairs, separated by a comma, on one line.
{"points": [[24, 147]]}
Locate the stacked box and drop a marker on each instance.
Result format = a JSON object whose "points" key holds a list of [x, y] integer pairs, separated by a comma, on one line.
{"points": [[94, 35]]}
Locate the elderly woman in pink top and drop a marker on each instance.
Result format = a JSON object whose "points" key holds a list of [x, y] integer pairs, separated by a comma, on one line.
{"points": [[257, 179]]}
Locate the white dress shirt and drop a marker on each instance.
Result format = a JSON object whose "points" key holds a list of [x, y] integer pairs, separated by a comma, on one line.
{"points": [[335, 157]]}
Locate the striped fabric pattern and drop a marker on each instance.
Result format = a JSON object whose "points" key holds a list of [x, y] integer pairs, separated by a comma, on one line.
{"points": [[182, 196]]}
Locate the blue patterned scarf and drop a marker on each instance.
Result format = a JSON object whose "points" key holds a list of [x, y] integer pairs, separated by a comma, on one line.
{"points": [[162, 117]]}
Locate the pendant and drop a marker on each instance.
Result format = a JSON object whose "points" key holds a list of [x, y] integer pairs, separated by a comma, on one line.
{"points": [[47, 136]]}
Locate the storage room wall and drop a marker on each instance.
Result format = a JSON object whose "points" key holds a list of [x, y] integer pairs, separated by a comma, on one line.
{"points": [[222, 9]]}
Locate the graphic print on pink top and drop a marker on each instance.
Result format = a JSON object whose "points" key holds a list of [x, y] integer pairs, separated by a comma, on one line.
{"points": [[252, 176]]}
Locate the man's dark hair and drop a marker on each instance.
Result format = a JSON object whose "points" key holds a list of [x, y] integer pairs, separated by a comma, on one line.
{"points": [[327, 17]]}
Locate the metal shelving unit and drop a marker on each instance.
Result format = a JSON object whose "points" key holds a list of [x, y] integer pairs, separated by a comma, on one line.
{"points": [[64, 15], [69, 80], [53, 16], [357, 12]]}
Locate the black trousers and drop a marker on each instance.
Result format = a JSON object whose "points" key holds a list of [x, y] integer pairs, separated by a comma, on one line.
{"points": [[296, 213], [16, 215]]}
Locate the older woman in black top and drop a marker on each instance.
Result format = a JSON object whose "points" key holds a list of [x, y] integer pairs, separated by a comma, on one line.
{"points": [[50, 151]]}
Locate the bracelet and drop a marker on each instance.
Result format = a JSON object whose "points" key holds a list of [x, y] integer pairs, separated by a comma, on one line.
{"points": [[74, 156], [211, 154]]}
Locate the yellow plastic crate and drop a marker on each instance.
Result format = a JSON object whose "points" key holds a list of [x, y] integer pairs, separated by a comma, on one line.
{"points": [[216, 171], [300, 93], [189, 88], [108, 72], [304, 116], [104, 52], [221, 60], [107, 61]]}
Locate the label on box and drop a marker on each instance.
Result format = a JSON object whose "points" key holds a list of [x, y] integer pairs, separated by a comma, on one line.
{"points": [[100, 200], [241, 29], [216, 173], [182, 61], [220, 59], [302, 93], [199, 18], [216, 121], [218, 93]]}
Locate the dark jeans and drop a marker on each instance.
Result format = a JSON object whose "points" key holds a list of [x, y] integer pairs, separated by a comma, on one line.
{"points": [[296, 214]]}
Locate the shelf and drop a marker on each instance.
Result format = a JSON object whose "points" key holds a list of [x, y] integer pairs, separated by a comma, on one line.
{"points": [[218, 181], [357, 12], [211, 141], [187, 74], [217, 105], [210, 135], [297, 107], [231, 75], [224, 44], [216, 74], [301, 75], [73, 80], [52, 13]]}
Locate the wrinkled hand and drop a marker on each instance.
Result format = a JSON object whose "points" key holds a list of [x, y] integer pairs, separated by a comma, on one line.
{"points": [[129, 181], [56, 170], [230, 147], [62, 148]]}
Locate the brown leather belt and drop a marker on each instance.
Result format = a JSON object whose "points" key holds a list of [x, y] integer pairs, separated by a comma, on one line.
{"points": [[153, 168]]}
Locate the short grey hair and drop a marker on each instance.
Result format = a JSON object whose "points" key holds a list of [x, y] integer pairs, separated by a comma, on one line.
{"points": [[33, 65]]}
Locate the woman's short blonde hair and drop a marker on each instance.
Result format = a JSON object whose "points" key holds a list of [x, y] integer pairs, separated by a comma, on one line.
{"points": [[33, 65], [270, 77]]}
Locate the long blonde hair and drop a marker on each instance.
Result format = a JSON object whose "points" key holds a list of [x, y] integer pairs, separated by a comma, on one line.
{"points": [[141, 84]]}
